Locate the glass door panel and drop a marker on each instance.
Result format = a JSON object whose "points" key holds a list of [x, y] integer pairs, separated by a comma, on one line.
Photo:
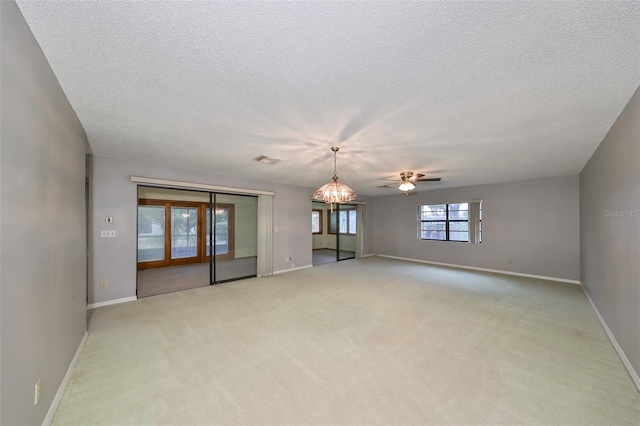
{"points": [[235, 236], [222, 236], [184, 232], [150, 233], [346, 236]]}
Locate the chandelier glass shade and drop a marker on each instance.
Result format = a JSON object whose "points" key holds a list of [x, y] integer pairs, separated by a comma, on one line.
{"points": [[334, 192]]}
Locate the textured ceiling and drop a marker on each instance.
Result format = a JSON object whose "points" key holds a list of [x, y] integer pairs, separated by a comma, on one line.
{"points": [[473, 92]]}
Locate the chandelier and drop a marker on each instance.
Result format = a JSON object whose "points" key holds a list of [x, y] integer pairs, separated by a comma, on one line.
{"points": [[334, 192]]}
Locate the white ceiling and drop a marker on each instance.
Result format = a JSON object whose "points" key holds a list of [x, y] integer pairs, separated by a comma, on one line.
{"points": [[473, 92]]}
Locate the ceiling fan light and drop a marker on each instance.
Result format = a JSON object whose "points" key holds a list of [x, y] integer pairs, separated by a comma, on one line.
{"points": [[407, 186]]}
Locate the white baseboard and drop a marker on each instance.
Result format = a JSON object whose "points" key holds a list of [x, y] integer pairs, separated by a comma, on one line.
{"points": [[282, 271], [368, 255], [495, 271], [632, 372], [111, 302], [65, 382]]}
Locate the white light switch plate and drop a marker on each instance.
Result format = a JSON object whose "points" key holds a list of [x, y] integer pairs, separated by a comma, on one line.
{"points": [[109, 233]]}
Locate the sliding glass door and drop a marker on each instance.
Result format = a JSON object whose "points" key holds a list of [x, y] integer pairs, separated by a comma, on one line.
{"points": [[343, 223], [189, 239], [347, 228], [233, 227], [223, 234]]}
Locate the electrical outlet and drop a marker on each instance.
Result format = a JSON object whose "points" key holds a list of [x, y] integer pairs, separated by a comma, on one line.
{"points": [[109, 233], [38, 392], [104, 284], [293, 265]]}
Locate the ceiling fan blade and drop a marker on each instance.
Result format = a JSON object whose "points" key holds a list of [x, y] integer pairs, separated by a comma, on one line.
{"points": [[385, 186], [429, 180], [415, 176]]}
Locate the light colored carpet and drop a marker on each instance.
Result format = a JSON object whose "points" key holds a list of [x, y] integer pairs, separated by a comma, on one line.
{"points": [[152, 282], [369, 341]]}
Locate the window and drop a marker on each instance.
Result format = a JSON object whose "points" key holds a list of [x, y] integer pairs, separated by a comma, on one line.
{"points": [[451, 222], [347, 221], [184, 232], [316, 222], [352, 221], [151, 237]]}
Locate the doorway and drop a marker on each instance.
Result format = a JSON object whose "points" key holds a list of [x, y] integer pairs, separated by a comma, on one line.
{"points": [[176, 229], [335, 233]]}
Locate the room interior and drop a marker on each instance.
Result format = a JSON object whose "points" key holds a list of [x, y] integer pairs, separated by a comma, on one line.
{"points": [[531, 111]]}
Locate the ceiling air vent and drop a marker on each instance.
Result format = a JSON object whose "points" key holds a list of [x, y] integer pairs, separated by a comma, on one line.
{"points": [[267, 160]]}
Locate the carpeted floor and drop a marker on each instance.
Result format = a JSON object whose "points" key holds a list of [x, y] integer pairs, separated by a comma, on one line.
{"points": [[152, 282], [370, 341]]}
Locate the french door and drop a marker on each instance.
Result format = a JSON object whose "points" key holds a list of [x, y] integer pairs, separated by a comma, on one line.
{"points": [[184, 234], [172, 233], [168, 233]]}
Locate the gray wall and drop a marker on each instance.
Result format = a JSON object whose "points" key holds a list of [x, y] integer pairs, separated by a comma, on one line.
{"points": [[534, 223], [610, 229], [42, 227], [113, 194]]}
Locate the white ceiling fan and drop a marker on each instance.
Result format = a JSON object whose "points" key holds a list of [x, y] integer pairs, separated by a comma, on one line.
{"points": [[408, 180]]}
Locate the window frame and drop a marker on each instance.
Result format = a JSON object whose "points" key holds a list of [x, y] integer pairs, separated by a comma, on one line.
{"points": [[321, 231], [337, 230], [447, 221]]}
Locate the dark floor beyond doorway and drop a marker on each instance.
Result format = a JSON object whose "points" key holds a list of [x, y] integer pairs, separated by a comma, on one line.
{"points": [[156, 281], [152, 282], [324, 256]]}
